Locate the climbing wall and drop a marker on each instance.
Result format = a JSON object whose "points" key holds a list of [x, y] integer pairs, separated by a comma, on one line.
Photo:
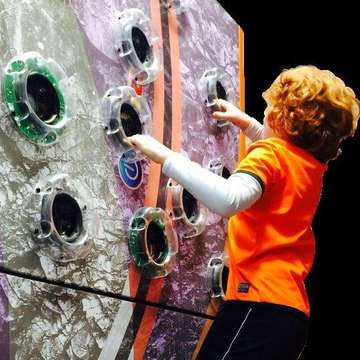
{"points": [[41, 321], [88, 299]]}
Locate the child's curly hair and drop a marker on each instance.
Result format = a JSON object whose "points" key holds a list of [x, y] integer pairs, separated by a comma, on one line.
{"points": [[313, 109]]}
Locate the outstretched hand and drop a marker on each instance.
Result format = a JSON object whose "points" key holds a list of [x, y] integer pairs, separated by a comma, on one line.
{"points": [[229, 112], [150, 147]]}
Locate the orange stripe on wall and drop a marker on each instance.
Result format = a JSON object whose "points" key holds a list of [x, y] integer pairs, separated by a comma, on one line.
{"points": [[175, 82], [134, 279], [158, 131], [148, 320], [242, 140], [156, 286], [152, 190], [158, 114], [151, 196]]}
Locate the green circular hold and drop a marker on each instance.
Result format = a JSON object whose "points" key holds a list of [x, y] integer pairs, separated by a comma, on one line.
{"points": [[148, 243], [32, 94]]}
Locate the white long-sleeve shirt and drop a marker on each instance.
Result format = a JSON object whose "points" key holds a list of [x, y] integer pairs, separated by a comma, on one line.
{"points": [[254, 131], [225, 197]]}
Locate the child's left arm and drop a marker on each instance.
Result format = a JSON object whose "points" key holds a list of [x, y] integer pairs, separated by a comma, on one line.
{"points": [[226, 111]]}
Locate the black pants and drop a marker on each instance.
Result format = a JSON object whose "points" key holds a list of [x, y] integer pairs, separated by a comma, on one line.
{"points": [[245, 330]]}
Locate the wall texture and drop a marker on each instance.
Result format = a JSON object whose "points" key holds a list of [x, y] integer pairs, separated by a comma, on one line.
{"points": [[43, 321]]}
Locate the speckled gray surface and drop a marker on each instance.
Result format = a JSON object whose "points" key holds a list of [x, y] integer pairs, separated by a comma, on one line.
{"points": [[77, 35], [44, 322], [47, 322], [81, 152]]}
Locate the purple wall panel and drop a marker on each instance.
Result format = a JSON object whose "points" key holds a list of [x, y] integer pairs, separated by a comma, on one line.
{"points": [[208, 38]]}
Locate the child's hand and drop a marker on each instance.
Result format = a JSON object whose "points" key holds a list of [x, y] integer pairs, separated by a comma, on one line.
{"points": [[150, 147], [228, 112]]}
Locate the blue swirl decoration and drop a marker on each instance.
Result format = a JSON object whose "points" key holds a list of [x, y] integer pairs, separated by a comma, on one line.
{"points": [[130, 172]]}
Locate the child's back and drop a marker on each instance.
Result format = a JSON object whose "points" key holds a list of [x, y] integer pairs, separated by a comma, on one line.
{"points": [[271, 244], [271, 200]]}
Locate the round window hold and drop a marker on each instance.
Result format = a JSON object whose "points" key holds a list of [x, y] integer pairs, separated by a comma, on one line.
{"points": [[67, 216], [43, 98], [224, 278], [125, 113], [61, 217], [216, 84], [130, 120], [220, 91], [225, 172], [221, 167], [156, 242], [60, 224], [187, 213], [136, 41], [33, 94], [153, 242], [141, 45], [191, 206], [218, 273]]}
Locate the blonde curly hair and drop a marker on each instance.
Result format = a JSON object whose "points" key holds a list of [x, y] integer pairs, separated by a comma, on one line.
{"points": [[313, 109]]}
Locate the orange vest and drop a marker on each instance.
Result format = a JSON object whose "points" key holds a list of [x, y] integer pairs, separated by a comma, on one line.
{"points": [[271, 245]]}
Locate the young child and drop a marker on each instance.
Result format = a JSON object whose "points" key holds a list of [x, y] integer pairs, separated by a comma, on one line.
{"points": [[271, 200]]}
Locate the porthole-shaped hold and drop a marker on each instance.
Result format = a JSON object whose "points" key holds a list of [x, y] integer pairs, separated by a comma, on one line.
{"points": [[59, 222], [225, 173], [216, 84], [125, 114], [153, 243], [221, 167], [32, 92], [66, 215], [130, 120], [190, 206], [187, 213], [218, 273], [220, 91], [136, 41], [142, 49]]}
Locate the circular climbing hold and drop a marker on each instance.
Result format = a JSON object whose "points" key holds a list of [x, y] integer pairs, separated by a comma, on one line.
{"points": [[218, 273], [34, 97], [185, 210], [221, 167], [225, 172], [67, 216], [125, 113], [191, 206], [141, 45], [130, 120], [136, 41], [60, 221], [216, 84], [152, 242]]}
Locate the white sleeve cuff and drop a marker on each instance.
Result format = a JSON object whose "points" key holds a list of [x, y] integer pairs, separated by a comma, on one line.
{"points": [[255, 130]]}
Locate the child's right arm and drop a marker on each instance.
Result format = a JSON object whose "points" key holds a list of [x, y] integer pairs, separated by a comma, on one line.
{"points": [[225, 197], [250, 126]]}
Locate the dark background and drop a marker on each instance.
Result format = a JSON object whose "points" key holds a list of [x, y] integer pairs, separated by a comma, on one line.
{"points": [[278, 37]]}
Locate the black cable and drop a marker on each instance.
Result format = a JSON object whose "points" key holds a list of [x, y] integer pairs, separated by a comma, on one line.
{"points": [[108, 294]]}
